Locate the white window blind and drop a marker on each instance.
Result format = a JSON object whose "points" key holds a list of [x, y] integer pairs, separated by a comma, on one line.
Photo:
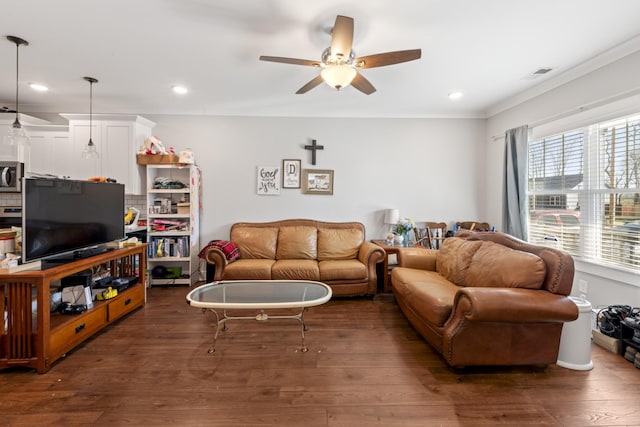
{"points": [[584, 192]]}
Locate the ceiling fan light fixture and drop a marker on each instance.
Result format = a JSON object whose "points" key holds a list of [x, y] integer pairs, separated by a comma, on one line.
{"points": [[340, 67], [338, 76]]}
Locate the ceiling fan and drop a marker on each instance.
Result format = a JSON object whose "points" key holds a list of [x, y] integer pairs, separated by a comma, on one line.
{"points": [[339, 63]]}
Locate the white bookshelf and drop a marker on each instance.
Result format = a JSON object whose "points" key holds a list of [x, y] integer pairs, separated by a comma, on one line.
{"points": [[173, 231]]}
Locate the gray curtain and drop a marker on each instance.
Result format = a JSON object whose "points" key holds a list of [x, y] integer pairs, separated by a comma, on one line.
{"points": [[514, 206]]}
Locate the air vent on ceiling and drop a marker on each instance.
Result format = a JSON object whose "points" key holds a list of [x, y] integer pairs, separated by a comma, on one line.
{"points": [[541, 71]]}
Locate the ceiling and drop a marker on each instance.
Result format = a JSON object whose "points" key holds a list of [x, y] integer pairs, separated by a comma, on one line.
{"points": [[138, 49]]}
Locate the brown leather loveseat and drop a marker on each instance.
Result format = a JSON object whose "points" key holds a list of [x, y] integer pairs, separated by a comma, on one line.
{"points": [[334, 253], [487, 298]]}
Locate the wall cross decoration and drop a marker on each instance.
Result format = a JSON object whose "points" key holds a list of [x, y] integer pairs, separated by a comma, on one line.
{"points": [[313, 147]]}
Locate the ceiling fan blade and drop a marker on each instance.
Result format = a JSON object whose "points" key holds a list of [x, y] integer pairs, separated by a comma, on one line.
{"points": [[294, 61], [342, 37], [362, 84], [387, 58], [313, 83]]}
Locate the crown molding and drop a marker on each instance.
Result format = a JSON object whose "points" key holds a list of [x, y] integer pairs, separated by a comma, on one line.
{"points": [[605, 58]]}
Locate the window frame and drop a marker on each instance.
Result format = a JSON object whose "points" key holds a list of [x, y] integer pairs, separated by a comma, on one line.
{"points": [[593, 236]]}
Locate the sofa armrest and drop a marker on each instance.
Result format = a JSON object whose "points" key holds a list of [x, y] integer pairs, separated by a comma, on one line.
{"points": [[216, 256], [422, 259], [370, 254], [512, 305]]}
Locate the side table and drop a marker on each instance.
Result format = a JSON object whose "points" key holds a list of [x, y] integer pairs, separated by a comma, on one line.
{"points": [[389, 250]]}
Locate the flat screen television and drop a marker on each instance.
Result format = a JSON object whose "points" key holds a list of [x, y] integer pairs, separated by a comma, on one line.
{"points": [[68, 219]]}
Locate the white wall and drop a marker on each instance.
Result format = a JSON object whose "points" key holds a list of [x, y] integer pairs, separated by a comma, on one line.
{"points": [[602, 91], [427, 168]]}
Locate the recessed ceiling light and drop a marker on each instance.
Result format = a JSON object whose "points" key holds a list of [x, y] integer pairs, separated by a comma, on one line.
{"points": [[455, 95], [180, 90], [38, 87]]}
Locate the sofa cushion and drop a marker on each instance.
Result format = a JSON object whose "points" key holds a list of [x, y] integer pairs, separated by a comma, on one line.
{"points": [[255, 242], [297, 242], [454, 257], [249, 269], [347, 269], [339, 243], [497, 266], [426, 292], [295, 269]]}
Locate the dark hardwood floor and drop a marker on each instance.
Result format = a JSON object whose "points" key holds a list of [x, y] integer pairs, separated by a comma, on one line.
{"points": [[365, 367]]}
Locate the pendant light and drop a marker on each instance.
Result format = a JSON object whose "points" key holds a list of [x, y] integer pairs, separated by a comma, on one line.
{"points": [[90, 151], [16, 134]]}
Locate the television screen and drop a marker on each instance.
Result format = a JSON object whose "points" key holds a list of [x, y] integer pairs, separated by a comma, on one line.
{"points": [[62, 216]]}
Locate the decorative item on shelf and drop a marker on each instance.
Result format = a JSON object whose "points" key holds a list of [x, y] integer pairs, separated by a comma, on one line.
{"points": [[389, 240], [183, 208], [153, 145], [90, 151], [402, 228], [399, 239], [16, 134], [186, 157], [131, 219], [153, 152]]}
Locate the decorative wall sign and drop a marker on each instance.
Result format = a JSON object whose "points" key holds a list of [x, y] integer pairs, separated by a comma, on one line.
{"points": [[317, 181], [268, 182], [290, 173]]}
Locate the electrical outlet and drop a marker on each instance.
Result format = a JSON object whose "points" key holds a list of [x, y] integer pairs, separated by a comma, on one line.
{"points": [[582, 286]]}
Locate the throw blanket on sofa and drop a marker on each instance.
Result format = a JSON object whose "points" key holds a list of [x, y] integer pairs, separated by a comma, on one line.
{"points": [[230, 249]]}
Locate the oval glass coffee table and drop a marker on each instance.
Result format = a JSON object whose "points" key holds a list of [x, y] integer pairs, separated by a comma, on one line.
{"points": [[261, 295]]}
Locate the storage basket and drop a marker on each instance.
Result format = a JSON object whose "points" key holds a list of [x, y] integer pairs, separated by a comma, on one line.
{"points": [[156, 159], [183, 208]]}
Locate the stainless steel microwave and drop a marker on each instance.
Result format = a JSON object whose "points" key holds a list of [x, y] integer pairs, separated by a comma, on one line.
{"points": [[11, 177]]}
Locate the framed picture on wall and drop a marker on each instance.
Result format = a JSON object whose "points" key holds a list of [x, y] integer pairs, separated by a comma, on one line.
{"points": [[291, 173], [268, 180], [317, 181]]}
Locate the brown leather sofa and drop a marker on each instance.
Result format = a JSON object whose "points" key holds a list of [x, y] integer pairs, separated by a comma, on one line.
{"points": [[487, 298], [334, 253]]}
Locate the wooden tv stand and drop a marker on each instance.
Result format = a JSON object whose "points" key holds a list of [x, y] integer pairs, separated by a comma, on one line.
{"points": [[31, 336]]}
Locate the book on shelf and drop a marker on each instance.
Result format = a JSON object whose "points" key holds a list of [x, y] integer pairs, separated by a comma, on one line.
{"points": [[177, 247]]}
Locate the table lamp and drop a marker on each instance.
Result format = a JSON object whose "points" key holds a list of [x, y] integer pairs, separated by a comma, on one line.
{"points": [[391, 217]]}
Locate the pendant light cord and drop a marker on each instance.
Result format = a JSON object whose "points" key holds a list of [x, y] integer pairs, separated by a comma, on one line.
{"points": [[17, 41], [91, 81], [17, 77], [90, 112]]}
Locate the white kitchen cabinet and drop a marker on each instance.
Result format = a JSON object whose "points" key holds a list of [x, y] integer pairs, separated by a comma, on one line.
{"points": [[117, 139], [49, 150], [173, 223]]}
